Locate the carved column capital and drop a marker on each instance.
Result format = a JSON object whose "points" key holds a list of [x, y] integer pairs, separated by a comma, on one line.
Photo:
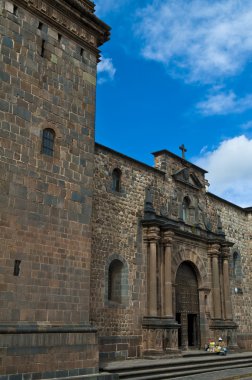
{"points": [[153, 234], [214, 249], [225, 250], [167, 238], [145, 235]]}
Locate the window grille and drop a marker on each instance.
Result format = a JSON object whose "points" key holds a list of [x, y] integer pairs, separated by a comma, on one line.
{"points": [[48, 141], [116, 180]]}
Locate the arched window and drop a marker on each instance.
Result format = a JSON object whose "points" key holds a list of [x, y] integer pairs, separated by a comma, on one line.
{"points": [[115, 278], [237, 271], [116, 180], [48, 141], [185, 208]]}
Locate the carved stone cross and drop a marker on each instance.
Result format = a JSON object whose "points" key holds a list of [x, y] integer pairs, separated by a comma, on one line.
{"points": [[183, 149]]}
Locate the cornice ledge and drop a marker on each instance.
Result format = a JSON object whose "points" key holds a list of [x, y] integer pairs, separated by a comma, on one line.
{"points": [[82, 5], [86, 8], [32, 328], [71, 18], [159, 323], [217, 324]]}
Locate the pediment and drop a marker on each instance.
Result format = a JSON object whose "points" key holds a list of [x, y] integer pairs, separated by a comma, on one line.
{"points": [[188, 178]]}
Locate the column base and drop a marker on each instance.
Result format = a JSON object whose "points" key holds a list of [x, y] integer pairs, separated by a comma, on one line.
{"points": [[160, 335], [227, 330], [154, 354]]}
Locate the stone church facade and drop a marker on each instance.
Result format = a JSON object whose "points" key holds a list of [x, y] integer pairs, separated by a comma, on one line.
{"points": [[179, 255], [102, 256]]}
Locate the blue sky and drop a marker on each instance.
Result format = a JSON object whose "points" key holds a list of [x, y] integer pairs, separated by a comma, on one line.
{"points": [[180, 71]]}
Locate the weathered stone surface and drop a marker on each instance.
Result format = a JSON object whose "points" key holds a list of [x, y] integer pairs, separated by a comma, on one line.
{"points": [[46, 200], [117, 229], [78, 248]]}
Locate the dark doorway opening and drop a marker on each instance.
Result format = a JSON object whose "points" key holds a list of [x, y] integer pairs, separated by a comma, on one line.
{"points": [[192, 330], [187, 306]]}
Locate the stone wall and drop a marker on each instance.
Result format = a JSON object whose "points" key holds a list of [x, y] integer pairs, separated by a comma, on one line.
{"points": [[117, 231], [48, 75], [237, 227], [48, 80], [118, 234], [43, 352]]}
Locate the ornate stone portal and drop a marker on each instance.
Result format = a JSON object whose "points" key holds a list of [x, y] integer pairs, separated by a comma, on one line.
{"points": [[188, 299]]}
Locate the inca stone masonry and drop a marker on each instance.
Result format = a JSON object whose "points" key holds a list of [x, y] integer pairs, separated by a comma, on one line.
{"points": [[102, 257]]}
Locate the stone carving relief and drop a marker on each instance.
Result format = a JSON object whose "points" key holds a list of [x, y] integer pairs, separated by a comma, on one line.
{"points": [[188, 177], [203, 220], [173, 208], [219, 226], [186, 174], [165, 209]]}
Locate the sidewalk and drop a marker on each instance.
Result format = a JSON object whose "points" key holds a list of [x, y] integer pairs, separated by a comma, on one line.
{"points": [[189, 360], [187, 356]]}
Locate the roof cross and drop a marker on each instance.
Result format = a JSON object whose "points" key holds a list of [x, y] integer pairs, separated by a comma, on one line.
{"points": [[183, 150]]}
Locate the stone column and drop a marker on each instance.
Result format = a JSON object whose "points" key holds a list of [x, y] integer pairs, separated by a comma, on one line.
{"points": [[168, 235], [153, 236], [146, 249], [204, 314], [214, 252], [221, 287], [226, 284]]}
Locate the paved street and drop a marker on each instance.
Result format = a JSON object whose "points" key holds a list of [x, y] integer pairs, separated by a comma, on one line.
{"points": [[231, 374]]}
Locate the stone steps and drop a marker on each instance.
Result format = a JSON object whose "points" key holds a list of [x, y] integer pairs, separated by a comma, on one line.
{"points": [[167, 369]]}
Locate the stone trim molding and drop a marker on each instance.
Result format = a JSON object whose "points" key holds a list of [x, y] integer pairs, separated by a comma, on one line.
{"points": [[198, 264], [8, 328]]}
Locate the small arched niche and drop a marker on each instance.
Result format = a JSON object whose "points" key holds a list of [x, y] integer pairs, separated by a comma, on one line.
{"points": [[116, 180]]}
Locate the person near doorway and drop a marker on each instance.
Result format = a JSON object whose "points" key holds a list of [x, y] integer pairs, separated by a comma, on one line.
{"points": [[221, 347]]}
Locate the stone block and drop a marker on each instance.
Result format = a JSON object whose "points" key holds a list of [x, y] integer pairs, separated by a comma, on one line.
{"points": [[5, 77], [4, 105], [8, 6], [6, 41], [76, 197], [22, 112]]}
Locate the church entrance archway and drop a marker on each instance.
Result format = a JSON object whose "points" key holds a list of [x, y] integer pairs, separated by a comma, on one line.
{"points": [[187, 306]]}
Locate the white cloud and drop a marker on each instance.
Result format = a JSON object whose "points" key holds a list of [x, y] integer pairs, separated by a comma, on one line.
{"points": [[230, 170], [106, 70], [200, 40], [224, 103]]}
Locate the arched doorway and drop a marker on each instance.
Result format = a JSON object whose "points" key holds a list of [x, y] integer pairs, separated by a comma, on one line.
{"points": [[187, 306]]}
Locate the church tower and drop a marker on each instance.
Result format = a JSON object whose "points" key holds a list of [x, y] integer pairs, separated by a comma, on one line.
{"points": [[49, 55]]}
